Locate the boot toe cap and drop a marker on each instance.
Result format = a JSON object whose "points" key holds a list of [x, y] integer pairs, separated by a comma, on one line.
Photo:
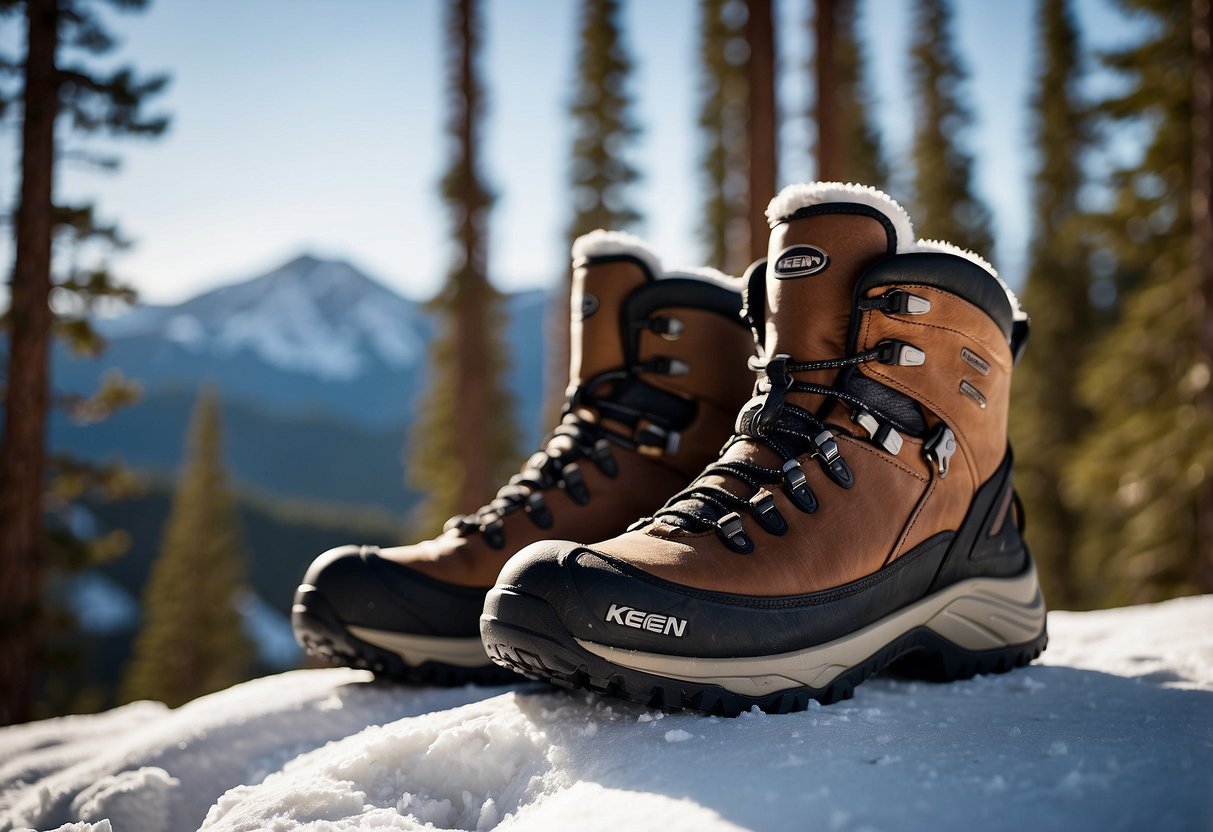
{"points": [[358, 587], [595, 597]]}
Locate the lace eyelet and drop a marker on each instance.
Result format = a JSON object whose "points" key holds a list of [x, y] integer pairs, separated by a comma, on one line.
{"points": [[574, 484], [537, 509], [765, 513], [797, 486], [732, 532]]}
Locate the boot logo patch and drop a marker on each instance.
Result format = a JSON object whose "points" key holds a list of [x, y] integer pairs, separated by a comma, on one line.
{"points": [[800, 261], [640, 620], [589, 305]]}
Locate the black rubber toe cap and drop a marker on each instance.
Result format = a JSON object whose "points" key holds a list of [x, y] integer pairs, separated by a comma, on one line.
{"points": [[366, 590], [598, 598]]}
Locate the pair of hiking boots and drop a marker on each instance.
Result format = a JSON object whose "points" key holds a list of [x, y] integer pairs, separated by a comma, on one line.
{"points": [[851, 509]]}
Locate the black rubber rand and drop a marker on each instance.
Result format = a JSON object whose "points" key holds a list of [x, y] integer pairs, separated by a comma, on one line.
{"points": [[535, 644], [322, 634]]}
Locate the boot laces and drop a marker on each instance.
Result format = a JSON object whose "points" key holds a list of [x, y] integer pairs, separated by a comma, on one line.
{"points": [[558, 462], [787, 429]]}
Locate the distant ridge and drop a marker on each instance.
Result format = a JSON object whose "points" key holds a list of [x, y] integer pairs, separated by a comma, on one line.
{"points": [[320, 368]]}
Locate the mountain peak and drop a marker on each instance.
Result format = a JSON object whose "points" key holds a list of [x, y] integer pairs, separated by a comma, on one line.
{"points": [[311, 315]]}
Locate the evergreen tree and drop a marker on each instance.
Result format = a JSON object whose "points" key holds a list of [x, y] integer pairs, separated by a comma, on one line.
{"points": [[848, 143], [601, 175], [1144, 469], [604, 127], [1047, 418], [762, 121], [463, 442], [57, 92], [945, 205], [192, 641], [738, 122], [723, 110]]}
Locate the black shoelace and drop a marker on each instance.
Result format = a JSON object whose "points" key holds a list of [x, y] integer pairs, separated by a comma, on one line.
{"points": [[554, 466], [557, 465], [788, 430]]}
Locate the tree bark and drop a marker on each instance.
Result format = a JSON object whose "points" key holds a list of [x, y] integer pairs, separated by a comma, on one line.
{"points": [[763, 143], [472, 415], [828, 113], [1202, 241], [22, 450]]}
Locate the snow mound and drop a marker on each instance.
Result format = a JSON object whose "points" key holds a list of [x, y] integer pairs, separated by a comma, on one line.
{"points": [[1112, 730]]}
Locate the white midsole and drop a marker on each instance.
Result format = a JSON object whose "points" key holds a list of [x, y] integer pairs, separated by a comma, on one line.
{"points": [[461, 652], [977, 614]]}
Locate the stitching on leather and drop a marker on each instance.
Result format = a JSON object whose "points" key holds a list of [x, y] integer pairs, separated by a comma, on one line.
{"points": [[883, 457], [944, 412], [994, 349], [905, 534]]}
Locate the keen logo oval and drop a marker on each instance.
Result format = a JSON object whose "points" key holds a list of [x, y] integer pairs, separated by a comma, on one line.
{"points": [[800, 261]]}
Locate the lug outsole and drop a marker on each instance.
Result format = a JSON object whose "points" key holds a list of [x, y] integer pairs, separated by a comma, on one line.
{"points": [[546, 652], [320, 632]]}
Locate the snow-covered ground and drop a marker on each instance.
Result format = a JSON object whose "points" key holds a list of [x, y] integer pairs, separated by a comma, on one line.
{"points": [[1113, 729]]}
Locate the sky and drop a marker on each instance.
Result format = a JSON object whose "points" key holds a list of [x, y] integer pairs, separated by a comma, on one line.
{"points": [[317, 126]]}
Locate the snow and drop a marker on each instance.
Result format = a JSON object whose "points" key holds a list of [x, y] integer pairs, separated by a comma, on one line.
{"points": [[1113, 729], [316, 317]]}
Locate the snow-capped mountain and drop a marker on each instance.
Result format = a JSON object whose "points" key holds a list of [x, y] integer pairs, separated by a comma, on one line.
{"points": [[320, 369], [322, 318]]}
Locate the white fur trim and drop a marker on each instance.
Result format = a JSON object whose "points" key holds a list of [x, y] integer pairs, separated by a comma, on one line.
{"points": [[706, 274], [948, 248], [602, 243], [794, 197]]}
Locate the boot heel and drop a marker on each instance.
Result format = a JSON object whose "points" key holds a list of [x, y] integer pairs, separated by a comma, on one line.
{"points": [[939, 660], [992, 625]]}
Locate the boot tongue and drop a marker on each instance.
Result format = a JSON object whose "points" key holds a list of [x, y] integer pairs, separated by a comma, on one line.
{"points": [[816, 254]]}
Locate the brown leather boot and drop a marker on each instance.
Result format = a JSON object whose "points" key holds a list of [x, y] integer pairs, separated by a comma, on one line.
{"points": [[658, 370], [862, 513]]}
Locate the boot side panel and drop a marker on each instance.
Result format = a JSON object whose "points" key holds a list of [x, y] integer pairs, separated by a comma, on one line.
{"points": [[596, 328], [714, 351], [989, 542], [965, 379]]}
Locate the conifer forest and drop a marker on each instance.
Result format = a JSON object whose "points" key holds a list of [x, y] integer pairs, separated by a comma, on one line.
{"points": [[173, 454]]}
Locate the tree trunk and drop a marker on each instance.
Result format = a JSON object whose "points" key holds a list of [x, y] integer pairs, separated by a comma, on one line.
{"points": [[1202, 238], [472, 386], [828, 114], [22, 451], [762, 139]]}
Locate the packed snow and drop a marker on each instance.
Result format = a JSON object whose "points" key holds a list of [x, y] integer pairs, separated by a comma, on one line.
{"points": [[1112, 729]]}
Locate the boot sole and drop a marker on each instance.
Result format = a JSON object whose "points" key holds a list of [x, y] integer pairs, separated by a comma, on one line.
{"points": [[448, 662], [981, 625]]}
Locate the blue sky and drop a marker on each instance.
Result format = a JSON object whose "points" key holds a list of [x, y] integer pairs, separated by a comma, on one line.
{"points": [[316, 125]]}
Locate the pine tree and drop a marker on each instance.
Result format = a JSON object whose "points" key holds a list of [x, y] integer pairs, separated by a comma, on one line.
{"points": [[738, 122], [1145, 467], [192, 641], [762, 121], [723, 107], [604, 127], [463, 442], [1047, 418], [57, 93], [945, 205], [848, 143], [601, 175]]}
